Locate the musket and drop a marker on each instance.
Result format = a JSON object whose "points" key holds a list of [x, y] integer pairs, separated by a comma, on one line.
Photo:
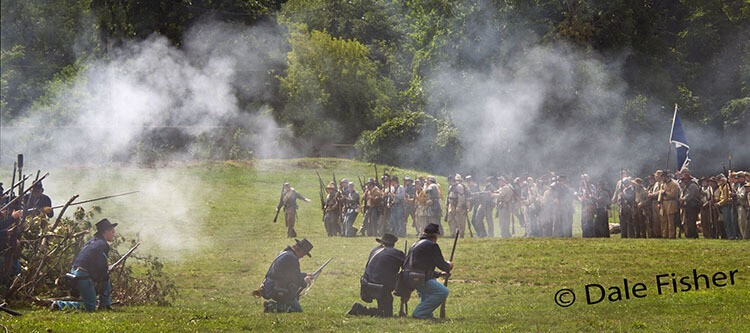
{"points": [[445, 283], [87, 201], [320, 192], [404, 310], [468, 224], [4, 308], [281, 202], [361, 185], [12, 201], [314, 278], [125, 256], [377, 177], [13, 180], [13, 186]]}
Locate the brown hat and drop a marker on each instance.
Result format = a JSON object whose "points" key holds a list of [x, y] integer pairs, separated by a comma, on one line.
{"points": [[331, 185]]}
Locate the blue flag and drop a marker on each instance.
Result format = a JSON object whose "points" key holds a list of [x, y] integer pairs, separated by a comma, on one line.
{"points": [[680, 142]]}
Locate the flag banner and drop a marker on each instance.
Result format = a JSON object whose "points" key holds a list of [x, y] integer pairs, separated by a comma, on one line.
{"points": [[680, 142]]}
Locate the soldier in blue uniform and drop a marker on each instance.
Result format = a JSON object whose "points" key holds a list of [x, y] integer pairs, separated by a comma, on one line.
{"points": [[92, 272], [379, 280], [8, 220], [424, 256], [38, 202], [284, 280]]}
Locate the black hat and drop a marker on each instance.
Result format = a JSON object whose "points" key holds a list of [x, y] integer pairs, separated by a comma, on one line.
{"points": [[37, 186], [104, 224], [432, 228], [371, 180], [304, 245], [389, 239]]}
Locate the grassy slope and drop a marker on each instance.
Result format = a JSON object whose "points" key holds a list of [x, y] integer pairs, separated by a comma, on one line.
{"points": [[499, 284]]}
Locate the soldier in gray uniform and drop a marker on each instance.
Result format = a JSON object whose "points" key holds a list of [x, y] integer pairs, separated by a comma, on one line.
{"points": [[433, 200], [351, 210], [290, 208], [474, 206], [410, 207], [485, 206]]}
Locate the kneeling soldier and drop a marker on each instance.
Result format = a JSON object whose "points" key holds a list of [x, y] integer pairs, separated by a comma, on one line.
{"points": [[284, 280], [419, 268], [379, 279], [91, 272]]}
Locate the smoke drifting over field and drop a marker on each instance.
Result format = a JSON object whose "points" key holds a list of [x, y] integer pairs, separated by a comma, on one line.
{"points": [[150, 95], [553, 107]]}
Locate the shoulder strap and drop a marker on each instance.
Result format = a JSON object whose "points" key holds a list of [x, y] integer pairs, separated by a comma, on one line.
{"points": [[373, 256], [410, 258]]}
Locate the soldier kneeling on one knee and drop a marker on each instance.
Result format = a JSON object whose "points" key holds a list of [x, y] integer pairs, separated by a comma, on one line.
{"points": [[379, 279], [91, 272]]}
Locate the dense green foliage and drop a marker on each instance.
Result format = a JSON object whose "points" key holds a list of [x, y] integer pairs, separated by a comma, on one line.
{"points": [[498, 284], [357, 68]]}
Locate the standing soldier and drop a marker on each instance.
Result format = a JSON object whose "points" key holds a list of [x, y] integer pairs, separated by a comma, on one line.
{"points": [[484, 210], [653, 195], [626, 204], [351, 210], [719, 231], [640, 211], [424, 256], [379, 279], [586, 193], [706, 214], [602, 210], [331, 215], [726, 202], [289, 201], [743, 206], [617, 199], [474, 205], [457, 207], [504, 199], [92, 272], [341, 195], [373, 198], [434, 195], [668, 196], [561, 199], [422, 207], [385, 207], [409, 205], [690, 202], [532, 208], [397, 196], [284, 279]]}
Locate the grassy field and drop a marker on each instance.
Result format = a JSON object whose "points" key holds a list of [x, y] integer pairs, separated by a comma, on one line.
{"points": [[497, 285]]}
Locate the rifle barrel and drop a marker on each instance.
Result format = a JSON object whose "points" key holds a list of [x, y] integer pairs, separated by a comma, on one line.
{"points": [[24, 192], [96, 199]]}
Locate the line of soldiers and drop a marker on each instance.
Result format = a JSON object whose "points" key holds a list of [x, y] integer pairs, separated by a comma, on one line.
{"points": [[672, 204]]}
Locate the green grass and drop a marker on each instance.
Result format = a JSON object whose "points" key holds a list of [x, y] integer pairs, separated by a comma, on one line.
{"points": [[498, 284]]}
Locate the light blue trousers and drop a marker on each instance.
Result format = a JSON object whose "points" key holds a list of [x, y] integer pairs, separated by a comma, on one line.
{"points": [[87, 289], [431, 296]]}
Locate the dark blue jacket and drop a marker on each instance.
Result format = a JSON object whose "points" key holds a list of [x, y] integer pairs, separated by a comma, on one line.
{"points": [[93, 258], [285, 272], [383, 268], [5, 224], [38, 203], [426, 255]]}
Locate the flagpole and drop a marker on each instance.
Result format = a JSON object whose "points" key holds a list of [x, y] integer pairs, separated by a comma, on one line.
{"points": [[669, 141]]}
